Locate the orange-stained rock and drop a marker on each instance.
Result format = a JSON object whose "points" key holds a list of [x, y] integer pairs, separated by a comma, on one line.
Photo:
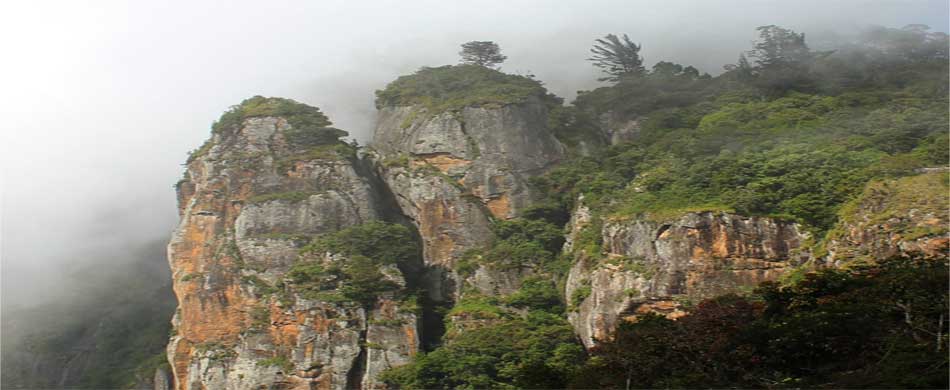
{"points": [[649, 266], [241, 205]]}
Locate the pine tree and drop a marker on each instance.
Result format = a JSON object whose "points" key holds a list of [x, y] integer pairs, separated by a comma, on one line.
{"points": [[618, 58], [482, 53]]}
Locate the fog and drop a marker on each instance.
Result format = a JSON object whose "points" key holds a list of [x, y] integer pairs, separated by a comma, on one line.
{"points": [[102, 100]]}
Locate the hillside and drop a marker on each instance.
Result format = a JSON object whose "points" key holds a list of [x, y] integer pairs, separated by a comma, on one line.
{"points": [[783, 224]]}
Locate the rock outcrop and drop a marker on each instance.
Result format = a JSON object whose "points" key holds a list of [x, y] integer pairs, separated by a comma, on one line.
{"points": [[893, 218], [261, 189], [250, 198], [661, 267], [454, 172]]}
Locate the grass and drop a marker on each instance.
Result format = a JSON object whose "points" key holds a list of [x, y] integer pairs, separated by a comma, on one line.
{"points": [[277, 361]]}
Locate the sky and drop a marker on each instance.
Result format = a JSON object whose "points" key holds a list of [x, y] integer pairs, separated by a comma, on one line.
{"points": [[101, 100]]}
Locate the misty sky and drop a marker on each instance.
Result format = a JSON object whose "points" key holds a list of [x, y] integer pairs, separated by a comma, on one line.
{"points": [[101, 100]]}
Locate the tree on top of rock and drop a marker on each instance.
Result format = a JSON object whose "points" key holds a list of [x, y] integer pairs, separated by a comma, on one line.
{"points": [[618, 58], [482, 53]]}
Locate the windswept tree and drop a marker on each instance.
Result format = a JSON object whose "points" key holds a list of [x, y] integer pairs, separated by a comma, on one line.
{"points": [[617, 57], [783, 61], [780, 47], [482, 53]]}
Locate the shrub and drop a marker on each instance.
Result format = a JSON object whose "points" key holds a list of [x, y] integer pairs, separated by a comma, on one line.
{"points": [[309, 127], [538, 351], [451, 88]]}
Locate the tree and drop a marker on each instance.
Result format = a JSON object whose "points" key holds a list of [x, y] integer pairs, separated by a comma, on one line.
{"points": [[669, 70], [783, 61], [482, 53], [618, 58]]}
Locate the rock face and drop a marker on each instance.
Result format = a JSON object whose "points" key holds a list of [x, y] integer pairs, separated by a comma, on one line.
{"points": [[453, 172], [660, 267], [248, 201], [893, 218], [254, 195]]}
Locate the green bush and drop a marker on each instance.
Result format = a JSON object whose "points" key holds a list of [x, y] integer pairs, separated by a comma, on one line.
{"points": [[309, 127], [537, 352], [367, 247], [451, 88], [537, 293]]}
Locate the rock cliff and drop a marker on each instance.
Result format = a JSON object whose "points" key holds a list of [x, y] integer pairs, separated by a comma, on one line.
{"points": [[290, 271], [266, 183], [893, 218], [648, 266], [454, 172]]}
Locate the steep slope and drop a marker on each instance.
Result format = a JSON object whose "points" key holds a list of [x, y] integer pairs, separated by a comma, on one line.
{"points": [[273, 176], [456, 165]]}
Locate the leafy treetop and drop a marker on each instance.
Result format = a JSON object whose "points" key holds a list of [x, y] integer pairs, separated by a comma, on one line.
{"points": [[482, 53], [451, 88], [310, 127], [618, 58]]}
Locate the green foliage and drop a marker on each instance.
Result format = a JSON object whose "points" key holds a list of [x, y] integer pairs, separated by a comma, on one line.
{"points": [[385, 243], [580, 294], [539, 351], [364, 281], [545, 234], [311, 279], [537, 293], [481, 53], [281, 362], [367, 248], [880, 327], [477, 306], [201, 151], [215, 351], [619, 58], [260, 317], [309, 127], [189, 277], [451, 88], [519, 243], [800, 156]]}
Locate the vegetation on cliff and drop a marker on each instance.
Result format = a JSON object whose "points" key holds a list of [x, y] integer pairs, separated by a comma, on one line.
{"points": [[453, 87], [732, 143], [310, 128], [795, 134], [882, 327], [365, 248], [534, 352]]}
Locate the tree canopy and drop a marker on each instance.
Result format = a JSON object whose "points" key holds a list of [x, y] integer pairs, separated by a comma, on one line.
{"points": [[617, 57], [482, 53]]}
